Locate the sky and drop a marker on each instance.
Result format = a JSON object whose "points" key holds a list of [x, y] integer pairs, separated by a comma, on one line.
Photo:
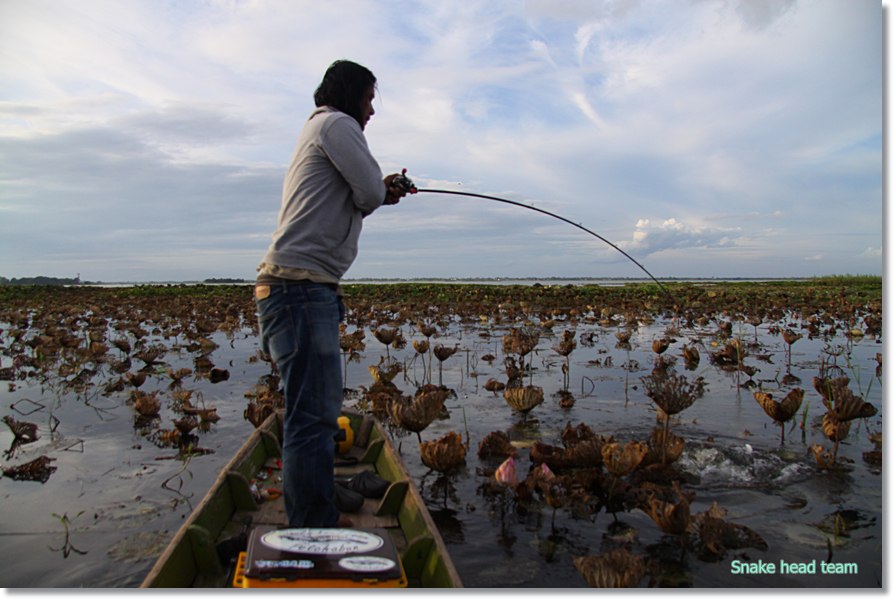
{"points": [[148, 140]]}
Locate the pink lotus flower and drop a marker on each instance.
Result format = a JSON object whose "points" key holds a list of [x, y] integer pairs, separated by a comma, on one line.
{"points": [[506, 473]]}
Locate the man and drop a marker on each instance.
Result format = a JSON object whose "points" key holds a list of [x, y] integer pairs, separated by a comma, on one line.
{"points": [[333, 182]]}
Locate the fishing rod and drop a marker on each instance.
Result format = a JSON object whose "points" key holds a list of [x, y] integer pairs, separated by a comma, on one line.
{"points": [[406, 184]]}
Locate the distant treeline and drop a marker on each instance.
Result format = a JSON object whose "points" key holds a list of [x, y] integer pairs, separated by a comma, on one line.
{"points": [[41, 280], [224, 280]]}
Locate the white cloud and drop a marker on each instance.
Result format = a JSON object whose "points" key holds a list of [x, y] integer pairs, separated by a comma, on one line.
{"points": [[747, 120]]}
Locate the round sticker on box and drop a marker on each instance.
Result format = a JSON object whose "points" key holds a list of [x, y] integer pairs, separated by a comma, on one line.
{"points": [[322, 541], [366, 564]]}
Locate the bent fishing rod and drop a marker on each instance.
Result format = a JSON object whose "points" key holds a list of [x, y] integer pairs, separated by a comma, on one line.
{"points": [[406, 184]]}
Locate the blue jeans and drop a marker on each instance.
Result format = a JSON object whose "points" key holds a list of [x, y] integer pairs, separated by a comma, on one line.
{"points": [[299, 330]]}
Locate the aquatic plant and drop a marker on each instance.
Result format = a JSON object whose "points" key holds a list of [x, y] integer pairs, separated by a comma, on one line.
{"points": [[613, 569], [444, 454], [417, 413], [564, 349], [523, 399], [781, 411], [842, 406], [672, 393], [442, 353]]}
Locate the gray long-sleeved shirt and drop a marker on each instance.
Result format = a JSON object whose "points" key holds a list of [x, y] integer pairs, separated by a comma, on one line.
{"points": [[332, 183]]}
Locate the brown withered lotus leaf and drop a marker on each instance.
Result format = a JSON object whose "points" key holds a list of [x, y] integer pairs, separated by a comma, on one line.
{"points": [[151, 354], [178, 375], [790, 336], [614, 569], [426, 329], [496, 444], [520, 341], [566, 399], [621, 460], [444, 454], [824, 458], [582, 454], [38, 469], [22, 431], [146, 404], [691, 357], [731, 355], [136, 379], [780, 411], [671, 517], [833, 429], [352, 342], [421, 346], [493, 385], [523, 399], [830, 388], [256, 413], [567, 345], [673, 448], [417, 413], [873, 457], [384, 373], [442, 353], [574, 434], [623, 337], [122, 344], [848, 406], [186, 424], [217, 375], [659, 346], [385, 335], [717, 536]]}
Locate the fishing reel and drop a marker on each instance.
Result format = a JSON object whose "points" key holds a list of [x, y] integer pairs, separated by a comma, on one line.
{"points": [[404, 183]]}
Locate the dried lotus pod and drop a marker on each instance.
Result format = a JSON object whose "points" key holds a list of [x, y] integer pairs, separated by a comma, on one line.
{"points": [[615, 569], [622, 460], [444, 454]]}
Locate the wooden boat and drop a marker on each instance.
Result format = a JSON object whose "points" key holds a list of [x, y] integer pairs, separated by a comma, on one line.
{"points": [[232, 508]]}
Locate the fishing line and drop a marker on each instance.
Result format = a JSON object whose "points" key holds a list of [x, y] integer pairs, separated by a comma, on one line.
{"points": [[403, 181]]}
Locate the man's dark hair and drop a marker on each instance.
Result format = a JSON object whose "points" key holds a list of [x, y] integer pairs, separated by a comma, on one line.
{"points": [[344, 86]]}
